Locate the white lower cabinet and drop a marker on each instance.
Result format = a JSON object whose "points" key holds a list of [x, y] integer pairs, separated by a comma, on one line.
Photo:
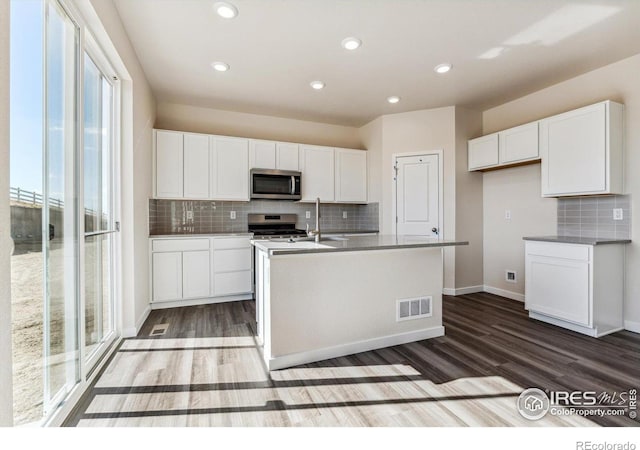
{"points": [[579, 287], [193, 270]]}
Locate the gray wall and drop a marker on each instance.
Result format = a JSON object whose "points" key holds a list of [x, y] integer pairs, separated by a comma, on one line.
{"points": [[6, 394], [172, 216]]}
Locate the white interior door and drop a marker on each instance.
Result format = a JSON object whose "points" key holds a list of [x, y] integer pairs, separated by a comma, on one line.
{"points": [[417, 195]]}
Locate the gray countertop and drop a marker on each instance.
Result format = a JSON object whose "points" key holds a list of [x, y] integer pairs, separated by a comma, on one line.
{"points": [[577, 240], [202, 235], [351, 244]]}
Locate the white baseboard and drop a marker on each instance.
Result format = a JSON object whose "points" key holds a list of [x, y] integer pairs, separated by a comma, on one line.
{"points": [[632, 326], [200, 301], [133, 331], [295, 359], [504, 293], [463, 290]]}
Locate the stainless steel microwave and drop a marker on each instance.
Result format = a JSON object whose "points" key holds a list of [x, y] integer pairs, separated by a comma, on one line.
{"points": [[275, 184]]}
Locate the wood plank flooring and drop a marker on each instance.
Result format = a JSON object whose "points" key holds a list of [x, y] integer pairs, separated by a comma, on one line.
{"points": [[207, 371]]}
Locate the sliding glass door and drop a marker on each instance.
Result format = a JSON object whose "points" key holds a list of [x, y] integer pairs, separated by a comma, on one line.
{"points": [[64, 205], [99, 222]]}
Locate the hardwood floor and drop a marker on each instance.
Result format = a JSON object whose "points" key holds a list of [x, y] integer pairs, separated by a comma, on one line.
{"points": [[207, 371]]}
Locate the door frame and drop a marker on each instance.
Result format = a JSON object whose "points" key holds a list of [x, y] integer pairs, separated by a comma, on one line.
{"points": [[394, 188]]}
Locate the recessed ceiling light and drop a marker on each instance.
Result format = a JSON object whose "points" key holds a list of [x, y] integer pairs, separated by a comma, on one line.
{"points": [[317, 85], [225, 10], [393, 99], [220, 66], [351, 43], [442, 68]]}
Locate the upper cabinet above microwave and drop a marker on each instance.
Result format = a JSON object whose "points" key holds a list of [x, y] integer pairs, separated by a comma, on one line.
{"points": [[582, 151], [273, 155]]}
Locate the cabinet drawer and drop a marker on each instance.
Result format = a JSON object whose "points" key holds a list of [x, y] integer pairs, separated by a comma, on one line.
{"points": [[231, 260], [223, 243], [232, 283], [565, 251], [179, 245]]}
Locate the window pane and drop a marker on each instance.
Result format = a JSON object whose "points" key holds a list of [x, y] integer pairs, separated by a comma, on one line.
{"points": [[26, 209], [61, 343]]}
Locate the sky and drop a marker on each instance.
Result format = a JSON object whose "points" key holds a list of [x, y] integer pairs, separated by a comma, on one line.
{"points": [[26, 94]]}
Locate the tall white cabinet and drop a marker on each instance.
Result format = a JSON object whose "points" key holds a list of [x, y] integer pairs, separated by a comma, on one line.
{"points": [[229, 170], [196, 166], [318, 173], [169, 162], [351, 175]]}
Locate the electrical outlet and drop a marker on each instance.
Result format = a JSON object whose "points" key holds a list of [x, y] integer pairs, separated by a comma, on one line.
{"points": [[189, 215], [344, 214], [507, 214], [618, 214], [307, 214], [232, 215]]}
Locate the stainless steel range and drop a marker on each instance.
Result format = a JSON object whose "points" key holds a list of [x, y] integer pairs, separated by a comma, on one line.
{"points": [[267, 226]]}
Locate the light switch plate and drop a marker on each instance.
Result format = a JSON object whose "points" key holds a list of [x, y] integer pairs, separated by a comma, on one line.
{"points": [[232, 215], [507, 214], [618, 214]]}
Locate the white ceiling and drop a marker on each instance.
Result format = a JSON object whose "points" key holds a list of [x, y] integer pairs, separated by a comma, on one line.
{"points": [[500, 50]]}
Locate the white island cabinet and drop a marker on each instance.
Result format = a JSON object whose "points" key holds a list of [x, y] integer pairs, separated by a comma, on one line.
{"points": [[576, 286], [339, 297]]}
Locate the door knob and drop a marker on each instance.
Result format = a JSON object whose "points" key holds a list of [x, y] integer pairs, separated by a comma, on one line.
{"points": [[434, 230]]}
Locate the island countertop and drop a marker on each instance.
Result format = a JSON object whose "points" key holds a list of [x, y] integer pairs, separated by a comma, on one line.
{"points": [[350, 244]]}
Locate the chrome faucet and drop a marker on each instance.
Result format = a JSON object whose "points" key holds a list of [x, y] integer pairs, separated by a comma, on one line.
{"points": [[316, 233]]}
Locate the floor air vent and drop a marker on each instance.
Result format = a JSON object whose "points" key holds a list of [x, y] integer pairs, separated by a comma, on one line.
{"points": [[159, 330], [413, 308]]}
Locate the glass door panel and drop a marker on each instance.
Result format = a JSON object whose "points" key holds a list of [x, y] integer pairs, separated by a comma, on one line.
{"points": [[98, 211], [59, 209]]}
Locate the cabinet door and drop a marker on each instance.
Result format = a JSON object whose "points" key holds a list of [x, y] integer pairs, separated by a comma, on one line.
{"points": [[318, 171], [229, 168], [287, 156], [262, 154], [559, 288], [230, 283], [519, 144], [196, 166], [483, 152], [351, 176], [167, 276], [196, 274], [574, 153], [169, 164]]}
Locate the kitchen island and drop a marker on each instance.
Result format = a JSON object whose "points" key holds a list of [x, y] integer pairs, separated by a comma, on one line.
{"points": [[316, 301]]}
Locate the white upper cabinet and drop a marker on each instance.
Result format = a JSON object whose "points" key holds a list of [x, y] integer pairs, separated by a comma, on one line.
{"points": [[273, 155], [196, 166], [287, 156], [582, 151], [318, 172], [169, 164], [519, 144], [262, 154], [229, 168], [351, 175], [483, 152]]}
